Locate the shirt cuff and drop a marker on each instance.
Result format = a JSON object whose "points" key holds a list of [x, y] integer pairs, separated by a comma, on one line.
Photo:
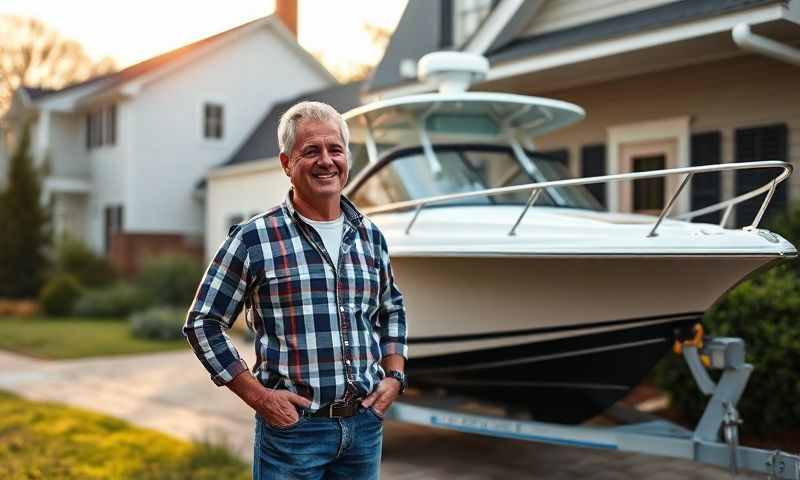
{"points": [[394, 348], [229, 373]]}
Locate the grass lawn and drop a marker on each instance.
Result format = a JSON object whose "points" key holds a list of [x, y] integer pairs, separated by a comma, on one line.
{"points": [[76, 337], [45, 440]]}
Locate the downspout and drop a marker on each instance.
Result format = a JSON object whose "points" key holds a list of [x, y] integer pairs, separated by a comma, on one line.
{"points": [[749, 41]]}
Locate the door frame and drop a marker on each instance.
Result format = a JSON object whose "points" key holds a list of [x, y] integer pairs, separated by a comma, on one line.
{"points": [[668, 136]]}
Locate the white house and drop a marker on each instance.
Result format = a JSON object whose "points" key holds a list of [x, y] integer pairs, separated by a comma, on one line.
{"points": [[664, 83], [125, 151]]}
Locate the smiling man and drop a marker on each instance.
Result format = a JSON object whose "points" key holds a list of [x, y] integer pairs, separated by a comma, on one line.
{"points": [[315, 278]]}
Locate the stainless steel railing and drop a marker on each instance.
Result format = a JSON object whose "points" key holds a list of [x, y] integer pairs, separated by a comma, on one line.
{"points": [[688, 172]]}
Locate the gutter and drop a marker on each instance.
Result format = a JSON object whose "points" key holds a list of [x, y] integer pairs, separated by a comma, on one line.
{"points": [[747, 40]]}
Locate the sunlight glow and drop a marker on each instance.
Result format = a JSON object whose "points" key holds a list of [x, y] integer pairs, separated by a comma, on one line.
{"points": [[130, 32]]}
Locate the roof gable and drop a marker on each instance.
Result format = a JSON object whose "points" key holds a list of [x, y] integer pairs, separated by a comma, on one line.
{"points": [[152, 68], [420, 31], [630, 23]]}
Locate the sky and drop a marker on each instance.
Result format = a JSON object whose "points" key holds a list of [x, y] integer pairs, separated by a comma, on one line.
{"points": [[130, 32]]}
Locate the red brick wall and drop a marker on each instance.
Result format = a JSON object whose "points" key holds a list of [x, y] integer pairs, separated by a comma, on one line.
{"points": [[128, 250]]}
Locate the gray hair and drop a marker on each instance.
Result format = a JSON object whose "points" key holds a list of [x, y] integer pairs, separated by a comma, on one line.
{"points": [[287, 128]]}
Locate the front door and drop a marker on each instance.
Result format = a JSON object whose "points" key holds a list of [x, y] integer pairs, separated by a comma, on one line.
{"points": [[647, 196]]}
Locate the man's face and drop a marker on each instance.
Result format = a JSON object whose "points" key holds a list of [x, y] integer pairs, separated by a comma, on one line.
{"points": [[317, 165]]}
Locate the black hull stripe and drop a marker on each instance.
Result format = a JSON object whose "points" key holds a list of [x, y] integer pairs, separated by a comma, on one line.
{"points": [[447, 382], [542, 330], [503, 363]]}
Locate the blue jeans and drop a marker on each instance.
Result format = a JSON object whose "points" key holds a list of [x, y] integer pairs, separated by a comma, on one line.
{"points": [[320, 448]]}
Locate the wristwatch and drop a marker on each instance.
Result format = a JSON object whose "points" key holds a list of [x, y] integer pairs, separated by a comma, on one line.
{"points": [[400, 377]]}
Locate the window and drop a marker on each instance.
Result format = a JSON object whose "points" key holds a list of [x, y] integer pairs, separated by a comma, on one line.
{"points": [[213, 117], [468, 15], [648, 193], [101, 127]]}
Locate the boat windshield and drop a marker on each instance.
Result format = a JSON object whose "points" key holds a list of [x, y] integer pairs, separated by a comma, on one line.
{"points": [[409, 174]]}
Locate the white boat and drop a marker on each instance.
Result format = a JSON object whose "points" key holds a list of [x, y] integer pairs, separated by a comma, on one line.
{"points": [[520, 288]]}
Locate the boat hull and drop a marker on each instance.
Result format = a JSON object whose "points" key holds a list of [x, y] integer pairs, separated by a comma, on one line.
{"points": [[563, 337]]}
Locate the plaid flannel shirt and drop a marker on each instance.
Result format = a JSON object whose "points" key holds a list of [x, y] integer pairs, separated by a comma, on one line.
{"points": [[320, 331]]}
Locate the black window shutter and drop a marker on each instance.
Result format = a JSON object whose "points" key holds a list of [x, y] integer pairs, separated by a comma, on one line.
{"points": [[561, 156], [756, 144], [706, 188], [593, 164]]}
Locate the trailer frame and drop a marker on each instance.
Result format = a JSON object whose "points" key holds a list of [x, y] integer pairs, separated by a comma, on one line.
{"points": [[714, 441]]}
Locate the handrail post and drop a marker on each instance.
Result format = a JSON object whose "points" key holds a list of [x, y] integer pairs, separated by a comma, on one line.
{"points": [[414, 219], [726, 215], [672, 199], [534, 195], [764, 205]]}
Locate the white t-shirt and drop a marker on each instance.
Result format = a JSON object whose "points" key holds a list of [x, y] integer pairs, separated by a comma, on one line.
{"points": [[331, 233]]}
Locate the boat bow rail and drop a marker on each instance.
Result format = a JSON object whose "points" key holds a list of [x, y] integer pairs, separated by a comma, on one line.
{"points": [[784, 169]]}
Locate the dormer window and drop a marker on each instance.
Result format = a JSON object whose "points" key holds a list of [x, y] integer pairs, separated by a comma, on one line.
{"points": [[101, 127], [468, 15], [213, 118]]}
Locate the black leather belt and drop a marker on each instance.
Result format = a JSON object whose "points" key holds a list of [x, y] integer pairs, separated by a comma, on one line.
{"points": [[339, 409]]}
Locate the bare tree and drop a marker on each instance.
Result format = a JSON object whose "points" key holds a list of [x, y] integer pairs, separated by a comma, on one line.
{"points": [[348, 69], [32, 54]]}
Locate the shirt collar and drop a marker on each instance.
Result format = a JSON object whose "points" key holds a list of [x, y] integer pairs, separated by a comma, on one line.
{"points": [[351, 213]]}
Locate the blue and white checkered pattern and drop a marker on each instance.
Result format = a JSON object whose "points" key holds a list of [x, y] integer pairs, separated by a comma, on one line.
{"points": [[318, 328]]}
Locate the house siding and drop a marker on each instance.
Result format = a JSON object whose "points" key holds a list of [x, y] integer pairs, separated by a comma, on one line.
{"points": [[559, 14], [254, 188], [743, 92], [66, 157], [110, 176], [170, 155]]}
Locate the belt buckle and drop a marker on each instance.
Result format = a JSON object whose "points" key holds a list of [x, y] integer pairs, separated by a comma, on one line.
{"points": [[336, 405]]}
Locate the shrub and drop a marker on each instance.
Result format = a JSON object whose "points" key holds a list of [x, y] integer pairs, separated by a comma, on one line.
{"points": [[119, 300], [764, 312], [171, 279], [59, 294], [77, 259], [160, 323]]}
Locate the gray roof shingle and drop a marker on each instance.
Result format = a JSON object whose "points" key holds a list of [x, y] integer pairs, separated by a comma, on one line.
{"points": [[263, 143]]}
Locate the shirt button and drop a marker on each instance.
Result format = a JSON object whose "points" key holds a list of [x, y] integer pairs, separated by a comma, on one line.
{"points": [[347, 362], [346, 343], [341, 308]]}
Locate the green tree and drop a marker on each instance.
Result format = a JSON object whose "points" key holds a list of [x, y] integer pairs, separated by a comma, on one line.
{"points": [[23, 224]]}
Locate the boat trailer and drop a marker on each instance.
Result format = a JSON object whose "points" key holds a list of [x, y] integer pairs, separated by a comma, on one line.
{"points": [[714, 441]]}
